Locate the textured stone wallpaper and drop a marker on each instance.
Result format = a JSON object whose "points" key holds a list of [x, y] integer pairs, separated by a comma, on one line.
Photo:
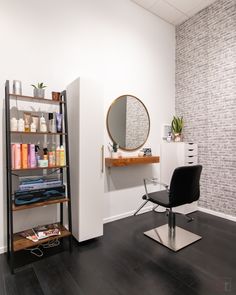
{"points": [[136, 130], [206, 98]]}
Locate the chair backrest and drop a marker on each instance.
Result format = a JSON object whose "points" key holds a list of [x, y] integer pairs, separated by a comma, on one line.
{"points": [[184, 185]]}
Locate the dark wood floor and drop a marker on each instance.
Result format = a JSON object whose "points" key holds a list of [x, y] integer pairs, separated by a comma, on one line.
{"points": [[126, 262]]}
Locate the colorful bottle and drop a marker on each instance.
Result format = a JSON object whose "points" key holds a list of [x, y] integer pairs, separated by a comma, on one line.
{"points": [[37, 156], [62, 156], [45, 154], [17, 156], [50, 159], [53, 156], [32, 156], [13, 156], [24, 155], [58, 156]]}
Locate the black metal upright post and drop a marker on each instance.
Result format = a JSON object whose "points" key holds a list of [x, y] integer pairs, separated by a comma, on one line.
{"points": [[67, 167], [61, 169], [10, 248]]}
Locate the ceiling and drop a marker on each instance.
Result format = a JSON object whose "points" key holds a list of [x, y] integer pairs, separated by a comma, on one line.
{"points": [[174, 11]]}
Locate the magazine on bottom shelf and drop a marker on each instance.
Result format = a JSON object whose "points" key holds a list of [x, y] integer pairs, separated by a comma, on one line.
{"points": [[41, 232]]}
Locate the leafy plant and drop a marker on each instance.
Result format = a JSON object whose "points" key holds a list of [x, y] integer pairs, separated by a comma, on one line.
{"points": [[39, 86], [114, 146], [177, 124]]}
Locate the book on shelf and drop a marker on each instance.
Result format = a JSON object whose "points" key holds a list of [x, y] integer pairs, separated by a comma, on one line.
{"points": [[41, 232]]}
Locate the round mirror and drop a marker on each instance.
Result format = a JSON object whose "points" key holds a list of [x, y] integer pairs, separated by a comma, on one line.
{"points": [[128, 122]]}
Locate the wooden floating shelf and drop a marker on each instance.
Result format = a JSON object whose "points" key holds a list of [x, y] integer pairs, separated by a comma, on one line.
{"points": [[39, 204], [37, 133], [39, 168], [35, 99], [20, 243], [128, 161]]}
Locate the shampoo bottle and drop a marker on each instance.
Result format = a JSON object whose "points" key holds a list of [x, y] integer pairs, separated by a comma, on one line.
{"points": [[37, 156], [24, 155], [45, 154], [21, 125], [50, 159], [53, 155], [62, 156], [32, 156], [58, 156], [13, 156], [17, 156], [43, 125]]}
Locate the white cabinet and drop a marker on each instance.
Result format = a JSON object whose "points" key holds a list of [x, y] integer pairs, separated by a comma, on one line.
{"points": [[85, 120], [173, 155]]}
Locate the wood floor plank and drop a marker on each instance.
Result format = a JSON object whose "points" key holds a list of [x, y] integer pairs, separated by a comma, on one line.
{"points": [[54, 278], [23, 282], [125, 262]]}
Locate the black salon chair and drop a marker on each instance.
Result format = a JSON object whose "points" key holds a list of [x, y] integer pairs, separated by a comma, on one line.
{"points": [[184, 189]]}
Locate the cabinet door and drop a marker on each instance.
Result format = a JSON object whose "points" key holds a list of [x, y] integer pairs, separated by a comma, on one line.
{"points": [[86, 117]]}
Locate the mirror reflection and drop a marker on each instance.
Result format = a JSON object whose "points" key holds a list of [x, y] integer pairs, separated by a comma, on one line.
{"points": [[128, 122]]}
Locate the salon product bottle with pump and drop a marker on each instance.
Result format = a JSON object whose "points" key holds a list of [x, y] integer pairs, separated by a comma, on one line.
{"points": [[58, 156], [62, 156], [45, 154], [37, 156], [42, 124]]}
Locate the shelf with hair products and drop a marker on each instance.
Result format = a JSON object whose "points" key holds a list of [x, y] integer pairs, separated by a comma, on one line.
{"points": [[37, 165]]}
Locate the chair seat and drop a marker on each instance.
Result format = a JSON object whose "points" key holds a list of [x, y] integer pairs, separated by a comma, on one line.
{"points": [[161, 198]]}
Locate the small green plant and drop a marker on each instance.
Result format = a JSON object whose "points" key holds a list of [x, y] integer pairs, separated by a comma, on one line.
{"points": [[177, 125], [39, 86], [114, 146]]}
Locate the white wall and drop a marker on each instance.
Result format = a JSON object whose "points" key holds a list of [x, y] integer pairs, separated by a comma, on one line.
{"points": [[127, 49]]}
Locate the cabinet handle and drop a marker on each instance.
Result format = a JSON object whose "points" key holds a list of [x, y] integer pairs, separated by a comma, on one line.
{"points": [[102, 158], [190, 150]]}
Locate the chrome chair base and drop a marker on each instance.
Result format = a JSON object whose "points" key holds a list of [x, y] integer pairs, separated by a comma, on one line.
{"points": [[175, 239]]}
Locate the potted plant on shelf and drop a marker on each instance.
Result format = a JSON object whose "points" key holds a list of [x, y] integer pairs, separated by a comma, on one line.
{"points": [[114, 150], [177, 127], [39, 90]]}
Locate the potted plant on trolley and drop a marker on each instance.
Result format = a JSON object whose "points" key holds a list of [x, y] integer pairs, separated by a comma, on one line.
{"points": [[177, 127], [39, 90]]}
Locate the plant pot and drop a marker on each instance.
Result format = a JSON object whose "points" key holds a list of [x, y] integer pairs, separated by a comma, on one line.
{"points": [[56, 96], [39, 92], [177, 137]]}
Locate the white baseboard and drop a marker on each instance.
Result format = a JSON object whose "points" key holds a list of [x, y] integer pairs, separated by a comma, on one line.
{"points": [[126, 214], [219, 214], [149, 208]]}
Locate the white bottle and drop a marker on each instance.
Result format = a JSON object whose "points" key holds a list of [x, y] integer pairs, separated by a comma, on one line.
{"points": [[21, 125], [42, 124], [32, 127], [14, 123]]}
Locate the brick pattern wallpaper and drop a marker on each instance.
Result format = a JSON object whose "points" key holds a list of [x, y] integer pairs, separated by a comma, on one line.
{"points": [[206, 97], [136, 130]]}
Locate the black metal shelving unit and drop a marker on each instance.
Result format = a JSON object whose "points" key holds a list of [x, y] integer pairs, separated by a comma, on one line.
{"points": [[14, 241]]}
